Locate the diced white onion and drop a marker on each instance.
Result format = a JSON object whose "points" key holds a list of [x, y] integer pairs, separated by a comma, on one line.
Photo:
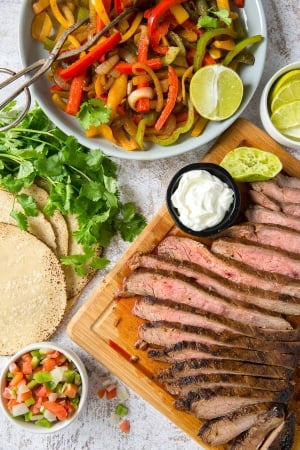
{"points": [[36, 417], [122, 393], [137, 94], [57, 374], [49, 416], [114, 418], [19, 410], [52, 397]]}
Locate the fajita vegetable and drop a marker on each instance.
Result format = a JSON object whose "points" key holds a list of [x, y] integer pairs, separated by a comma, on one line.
{"points": [[142, 67]]}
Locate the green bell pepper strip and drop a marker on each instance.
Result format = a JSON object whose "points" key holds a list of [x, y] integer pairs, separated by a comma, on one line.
{"points": [[149, 119], [240, 47], [169, 140], [204, 41]]}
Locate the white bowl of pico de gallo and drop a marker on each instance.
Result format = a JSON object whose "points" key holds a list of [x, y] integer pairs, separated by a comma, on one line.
{"points": [[43, 387]]}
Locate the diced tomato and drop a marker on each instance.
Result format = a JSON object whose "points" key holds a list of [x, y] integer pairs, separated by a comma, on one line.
{"points": [[11, 403], [27, 364], [24, 396], [53, 354], [13, 368], [101, 393], [57, 409], [125, 426], [36, 408], [18, 376], [42, 391], [49, 364], [70, 390], [8, 393], [111, 393]]}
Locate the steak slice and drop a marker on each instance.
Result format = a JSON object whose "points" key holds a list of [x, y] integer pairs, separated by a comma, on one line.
{"points": [[253, 438], [180, 289], [167, 333], [287, 181], [258, 214], [194, 367], [182, 351], [187, 249], [282, 438], [223, 429], [279, 194], [184, 385], [212, 403], [258, 257], [266, 234], [214, 283], [259, 198], [291, 209]]}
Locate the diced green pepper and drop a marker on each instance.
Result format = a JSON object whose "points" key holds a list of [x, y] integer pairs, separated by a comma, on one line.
{"points": [[32, 384], [29, 401], [241, 46], [43, 423], [42, 376], [69, 376], [121, 410]]}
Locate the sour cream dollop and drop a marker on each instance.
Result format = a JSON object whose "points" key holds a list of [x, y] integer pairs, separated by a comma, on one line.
{"points": [[201, 199]]}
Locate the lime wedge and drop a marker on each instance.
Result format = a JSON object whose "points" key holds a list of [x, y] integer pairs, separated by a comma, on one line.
{"points": [[291, 75], [251, 164], [289, 92], [216, 92], [292, 133], [287, 116]]}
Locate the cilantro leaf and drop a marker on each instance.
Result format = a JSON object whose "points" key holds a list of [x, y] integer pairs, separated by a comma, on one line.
{"points": [[208, 22], [93, 112], [213, 18], [28, 204], [20, 218]]}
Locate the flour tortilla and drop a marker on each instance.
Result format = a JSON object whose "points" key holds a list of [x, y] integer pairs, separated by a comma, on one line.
{"points": [[74, 282], [38, 225], [32, 290], [57, 220]]}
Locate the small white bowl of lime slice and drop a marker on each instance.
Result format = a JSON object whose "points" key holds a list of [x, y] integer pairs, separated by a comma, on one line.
{"points": [[280, 106]]}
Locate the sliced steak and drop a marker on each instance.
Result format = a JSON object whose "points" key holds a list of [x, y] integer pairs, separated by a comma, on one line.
{"points": [[184, 385], [223, 429], [271, 301], [168, 333], [291, 209], [282, 438], [287, 181], [258, 257], [180, 289], [194, 367], [185, 350], [266, 234], [187, 249], [258, 214], [212, 403], [253, 438], [279, 194], [259, 198]]}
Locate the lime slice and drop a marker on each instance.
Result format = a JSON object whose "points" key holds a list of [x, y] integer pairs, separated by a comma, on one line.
{"points": [[251, 164], [287, 116], [216, 92], [292, 133], [291, 75], [289, 92]]}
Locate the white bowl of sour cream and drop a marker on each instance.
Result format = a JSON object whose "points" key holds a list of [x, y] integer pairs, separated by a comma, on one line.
{"points": [[203, 199]]}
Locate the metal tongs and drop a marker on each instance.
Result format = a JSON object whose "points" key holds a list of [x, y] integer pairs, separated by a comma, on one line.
{"points": [[43, 65]]}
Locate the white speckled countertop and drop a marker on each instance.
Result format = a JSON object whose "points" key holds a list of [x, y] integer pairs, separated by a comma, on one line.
{"points": [[145, 183]]}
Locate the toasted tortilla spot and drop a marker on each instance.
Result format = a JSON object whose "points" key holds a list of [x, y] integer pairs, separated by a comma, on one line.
{"points": [[32, 290], [57, 221], [74, 282], [38, 225]]}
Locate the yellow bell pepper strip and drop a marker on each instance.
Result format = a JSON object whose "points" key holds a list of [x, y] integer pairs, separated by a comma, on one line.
{"points": [[204, 40], [103, 130], [223, 4], [180, 14], [101, 11], [156, 15], [40, 6], [58, 15], [41, 26], [187, 74], [199, 126], [169, 140], [134, 26], [75, 95], [240, 46], [123, 140], [116, 94], [127, 68], [171, 100], [82, 64]]}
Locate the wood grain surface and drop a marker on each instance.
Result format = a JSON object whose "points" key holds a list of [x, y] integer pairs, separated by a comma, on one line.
{"points": [[101, 319]]}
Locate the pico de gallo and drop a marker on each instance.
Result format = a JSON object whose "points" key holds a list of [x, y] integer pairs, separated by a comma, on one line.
{"points": [[42, 386]]}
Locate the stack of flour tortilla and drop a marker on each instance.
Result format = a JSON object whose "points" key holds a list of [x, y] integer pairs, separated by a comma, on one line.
{"points": [[35, 288]]}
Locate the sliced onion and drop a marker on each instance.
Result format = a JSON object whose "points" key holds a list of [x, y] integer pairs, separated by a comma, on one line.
{"points": [[137, 94], [106, 66]]}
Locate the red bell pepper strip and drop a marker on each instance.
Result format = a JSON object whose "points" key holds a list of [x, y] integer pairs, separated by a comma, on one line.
{"points": [[208, 60], [75, 95], [123, 67], [143, 104], [81, 65], [171, 100], [157, 12], [239, 3], [118, 7]]}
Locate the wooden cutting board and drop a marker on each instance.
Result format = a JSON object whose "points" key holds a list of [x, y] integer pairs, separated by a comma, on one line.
{"points": [[108, 331]]}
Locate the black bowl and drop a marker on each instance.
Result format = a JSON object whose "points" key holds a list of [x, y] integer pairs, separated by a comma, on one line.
{"points": [[223, 175]]}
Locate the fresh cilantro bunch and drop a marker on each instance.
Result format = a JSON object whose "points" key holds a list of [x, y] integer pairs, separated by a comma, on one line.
{"points": [[81, 182]]}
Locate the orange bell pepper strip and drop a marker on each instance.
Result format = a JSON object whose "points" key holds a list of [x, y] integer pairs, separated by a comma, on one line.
{"points": [[82, 64], [171, 100], [75, 95]]}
